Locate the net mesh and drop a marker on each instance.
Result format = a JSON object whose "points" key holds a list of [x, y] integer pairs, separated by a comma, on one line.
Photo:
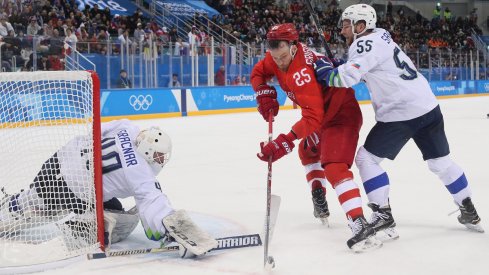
{"points": [[47, 203]]}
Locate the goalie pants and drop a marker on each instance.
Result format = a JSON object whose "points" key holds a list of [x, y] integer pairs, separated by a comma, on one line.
{"points": [[51, 188]]}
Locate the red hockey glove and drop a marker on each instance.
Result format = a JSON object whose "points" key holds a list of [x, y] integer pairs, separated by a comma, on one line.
{"points": [[278, 148], [311, 143], [266, 99]]}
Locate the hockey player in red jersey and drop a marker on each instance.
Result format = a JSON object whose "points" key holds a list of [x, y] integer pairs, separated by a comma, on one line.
{"points": [[330, 122]]}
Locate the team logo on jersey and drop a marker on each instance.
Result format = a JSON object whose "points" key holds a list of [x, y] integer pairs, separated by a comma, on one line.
{"points": [[140, 102], [356, 65]]}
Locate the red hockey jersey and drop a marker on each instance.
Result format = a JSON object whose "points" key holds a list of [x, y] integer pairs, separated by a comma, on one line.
{"points": [[299, 83]]}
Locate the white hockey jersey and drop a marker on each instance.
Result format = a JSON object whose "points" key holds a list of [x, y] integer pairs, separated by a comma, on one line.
{"points": [[125, 173], [123, 169], [397, 90]]}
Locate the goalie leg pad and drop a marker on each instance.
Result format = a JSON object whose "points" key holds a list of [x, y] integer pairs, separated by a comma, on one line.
{"points": [[120, 224], [187, 233]]}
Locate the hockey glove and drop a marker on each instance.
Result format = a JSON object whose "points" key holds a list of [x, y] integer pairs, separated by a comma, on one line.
{"points": [[266, 99], [326, 73], [311, 143], [278, 148], [337, 62]]}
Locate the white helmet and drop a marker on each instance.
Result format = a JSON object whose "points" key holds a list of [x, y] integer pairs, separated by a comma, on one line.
{"points": [[155, 146], [359, 12]]}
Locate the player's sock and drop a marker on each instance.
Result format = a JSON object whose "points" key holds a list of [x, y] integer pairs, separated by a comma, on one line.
{"points": [[349, 198]]}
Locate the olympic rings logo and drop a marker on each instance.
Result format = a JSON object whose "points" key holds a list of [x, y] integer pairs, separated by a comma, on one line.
{"points": [[140, 102]]}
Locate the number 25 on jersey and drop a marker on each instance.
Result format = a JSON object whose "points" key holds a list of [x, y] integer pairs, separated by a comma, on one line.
{"points": [[301, 78]]}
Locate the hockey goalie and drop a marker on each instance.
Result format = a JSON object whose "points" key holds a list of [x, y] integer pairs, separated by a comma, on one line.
{"points": [[131, 160]]}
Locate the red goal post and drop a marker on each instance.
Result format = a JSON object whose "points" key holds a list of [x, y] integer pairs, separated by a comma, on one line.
{"points": [[51, 199]]}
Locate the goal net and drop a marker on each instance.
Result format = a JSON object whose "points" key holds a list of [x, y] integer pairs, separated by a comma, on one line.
{"points": [[50, 178]]}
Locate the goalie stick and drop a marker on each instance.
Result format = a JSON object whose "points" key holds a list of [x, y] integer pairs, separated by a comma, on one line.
{"points": [[315, 21], [223, 243]]}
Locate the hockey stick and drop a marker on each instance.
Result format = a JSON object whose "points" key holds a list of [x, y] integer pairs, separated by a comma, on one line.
{"points": [[223, 243], [268, 261], [315, 21]]}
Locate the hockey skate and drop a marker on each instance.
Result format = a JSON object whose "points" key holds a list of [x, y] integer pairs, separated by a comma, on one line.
{"points": [[469, 217], [320, 204], [363, 236], [382, 221], [184, 231]]}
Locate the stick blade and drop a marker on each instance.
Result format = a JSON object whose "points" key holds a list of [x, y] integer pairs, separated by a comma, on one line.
{"points": [[274, 207]]}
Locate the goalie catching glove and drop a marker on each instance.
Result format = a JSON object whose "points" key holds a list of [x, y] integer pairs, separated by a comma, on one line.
{"points": [[278, 148]]}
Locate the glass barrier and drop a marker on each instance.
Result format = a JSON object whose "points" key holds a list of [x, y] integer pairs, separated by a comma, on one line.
{"points": [[154, 62]]}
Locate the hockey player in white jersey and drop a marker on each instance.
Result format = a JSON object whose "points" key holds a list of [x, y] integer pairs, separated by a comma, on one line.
{"points": [[131, 160], [405, 108]]}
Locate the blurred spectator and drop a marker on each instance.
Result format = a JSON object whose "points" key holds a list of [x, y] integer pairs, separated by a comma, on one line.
{"points": [[55, 62], [33, 28], [419, 17], [447, 14], [43, 63], [124, 37], [437, 12], [5, 26], [389, 8], [473, 17], [124, 81], [193, 41], [173, 35], [174, 81], [236, 81], [220, 77], [181, 48], [70, 38], [139, 33], [55, 42]]}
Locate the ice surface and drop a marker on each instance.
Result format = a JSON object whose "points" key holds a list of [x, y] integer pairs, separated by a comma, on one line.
{"points": [[215, 175]]}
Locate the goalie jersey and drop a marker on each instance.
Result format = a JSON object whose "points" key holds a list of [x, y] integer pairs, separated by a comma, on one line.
{"points": [[125, 173], [123, 169]]}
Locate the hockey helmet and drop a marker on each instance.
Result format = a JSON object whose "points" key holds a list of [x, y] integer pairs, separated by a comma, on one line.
{"points": [[155, 146], [285, 32], [358, 12]]}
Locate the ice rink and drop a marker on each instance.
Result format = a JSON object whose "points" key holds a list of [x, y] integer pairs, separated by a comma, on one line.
{"points": [[215, 175]]}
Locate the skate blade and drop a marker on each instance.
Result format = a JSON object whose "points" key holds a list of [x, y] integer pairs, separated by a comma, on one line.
{"points": [[370, 243], [324, 221], [389, 234], [475, 227]]}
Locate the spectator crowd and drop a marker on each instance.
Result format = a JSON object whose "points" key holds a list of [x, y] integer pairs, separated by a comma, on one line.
{"points": [[51, 28]]}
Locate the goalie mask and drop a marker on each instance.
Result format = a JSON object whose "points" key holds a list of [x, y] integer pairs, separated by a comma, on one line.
{"points": [[155, 146]]}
